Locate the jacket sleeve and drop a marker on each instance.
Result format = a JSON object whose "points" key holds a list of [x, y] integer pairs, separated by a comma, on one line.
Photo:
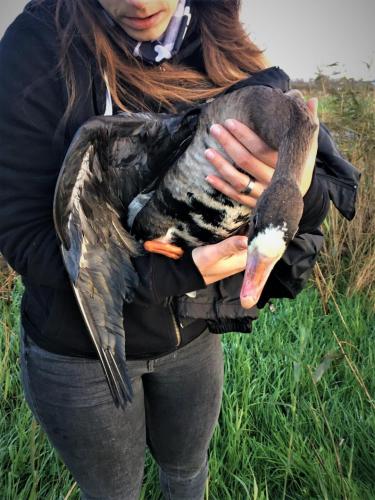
{"points": [[162, 277], [31, 106]]}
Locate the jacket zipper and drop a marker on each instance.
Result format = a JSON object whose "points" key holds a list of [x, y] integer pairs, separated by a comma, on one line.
{"points": [[175, 325]]}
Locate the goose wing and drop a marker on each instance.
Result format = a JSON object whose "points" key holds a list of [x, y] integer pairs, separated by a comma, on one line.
{"points": [[109, 161]]}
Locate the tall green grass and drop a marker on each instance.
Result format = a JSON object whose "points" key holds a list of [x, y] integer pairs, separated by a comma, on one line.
{"points": [[298, 414], [295, 423]]}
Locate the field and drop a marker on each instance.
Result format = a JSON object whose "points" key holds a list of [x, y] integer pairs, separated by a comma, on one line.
{"points": [[298, 415]]}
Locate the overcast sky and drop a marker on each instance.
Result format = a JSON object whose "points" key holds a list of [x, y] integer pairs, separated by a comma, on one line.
{"points": [[300, 36]]}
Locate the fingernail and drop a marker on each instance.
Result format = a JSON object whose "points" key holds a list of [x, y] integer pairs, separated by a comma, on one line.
{"points": [[242, 244], [209, 179], [215, 129], [231, 124], [209, 154], [315, 101]]}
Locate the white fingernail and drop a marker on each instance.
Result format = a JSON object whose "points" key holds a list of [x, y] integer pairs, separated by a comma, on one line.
{"points": [[231, 124], [215, 129], [209, 154]]}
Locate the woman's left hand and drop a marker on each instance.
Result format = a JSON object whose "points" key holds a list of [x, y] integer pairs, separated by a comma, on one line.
{"points": [[249, 152]]}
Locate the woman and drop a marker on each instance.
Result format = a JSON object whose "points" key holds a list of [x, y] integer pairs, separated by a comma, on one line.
{"points": [[158, 55]]}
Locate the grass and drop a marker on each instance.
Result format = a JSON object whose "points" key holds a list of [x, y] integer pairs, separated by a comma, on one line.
{"points": [[295, 423], [298, 419]]}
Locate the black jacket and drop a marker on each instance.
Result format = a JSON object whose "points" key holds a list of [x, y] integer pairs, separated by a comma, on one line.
{"points": [[33, 98]]}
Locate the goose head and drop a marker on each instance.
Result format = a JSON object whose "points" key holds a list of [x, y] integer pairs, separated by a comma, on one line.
{"points": [[275, 222]]}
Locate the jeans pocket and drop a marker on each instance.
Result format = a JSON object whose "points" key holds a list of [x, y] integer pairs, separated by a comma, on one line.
{"points": [[60, 381]]}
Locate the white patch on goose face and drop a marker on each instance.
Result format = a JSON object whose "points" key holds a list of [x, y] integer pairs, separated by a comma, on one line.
{"points": [[270, 242]]}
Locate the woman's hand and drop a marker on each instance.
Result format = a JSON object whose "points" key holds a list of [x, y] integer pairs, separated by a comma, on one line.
{"points": [[218, 261], [249, 152]]}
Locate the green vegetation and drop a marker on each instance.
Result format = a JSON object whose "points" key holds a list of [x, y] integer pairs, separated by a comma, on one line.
{"points": [[298, 419]]}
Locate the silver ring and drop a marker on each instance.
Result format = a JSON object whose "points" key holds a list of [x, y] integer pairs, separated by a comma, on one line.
{"points": [[250, 186]]}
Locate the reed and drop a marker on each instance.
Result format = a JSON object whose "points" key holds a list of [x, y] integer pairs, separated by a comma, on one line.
{"points": [[348, 259]]}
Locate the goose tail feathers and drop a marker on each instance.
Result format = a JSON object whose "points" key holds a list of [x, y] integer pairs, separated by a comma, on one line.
{"points": [[111, 355]]}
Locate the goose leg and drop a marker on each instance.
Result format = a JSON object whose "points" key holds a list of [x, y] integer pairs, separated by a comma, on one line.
{"points": [[157, 246]]}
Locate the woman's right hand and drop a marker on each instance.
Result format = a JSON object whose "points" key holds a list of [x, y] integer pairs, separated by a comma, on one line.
{"points": [[221, 260]]}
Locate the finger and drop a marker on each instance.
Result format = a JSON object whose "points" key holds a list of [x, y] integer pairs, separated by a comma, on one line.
{"points": [[230, 246], [307, 173], [227, 267], [225, 188], [251, 141], [312, 104], [241, 156], [236, 179], [211, 255]]}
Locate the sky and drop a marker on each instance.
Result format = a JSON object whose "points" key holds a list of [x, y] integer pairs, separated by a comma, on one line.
{"points": [[302, 37]]}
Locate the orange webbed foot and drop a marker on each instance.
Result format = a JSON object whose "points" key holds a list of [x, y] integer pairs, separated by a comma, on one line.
{"points": [[156, 246]]}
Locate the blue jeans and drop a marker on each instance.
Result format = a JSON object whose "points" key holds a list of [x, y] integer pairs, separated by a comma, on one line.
{"points": [[176, 404]]}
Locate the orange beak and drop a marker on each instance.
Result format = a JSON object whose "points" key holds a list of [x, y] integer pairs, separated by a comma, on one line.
{"points": [[258, 268]]}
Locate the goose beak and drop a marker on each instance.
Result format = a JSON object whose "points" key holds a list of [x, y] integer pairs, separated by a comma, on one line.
{"points": [[258, 268], [262, 254]]}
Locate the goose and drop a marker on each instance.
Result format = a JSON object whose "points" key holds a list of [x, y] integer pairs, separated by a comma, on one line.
{"points": [[137, 180]]}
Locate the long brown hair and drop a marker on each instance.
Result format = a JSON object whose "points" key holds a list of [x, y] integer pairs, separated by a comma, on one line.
{"points": [[228, 53]]}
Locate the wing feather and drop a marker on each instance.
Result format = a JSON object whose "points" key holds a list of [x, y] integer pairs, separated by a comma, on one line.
{"points": [[110, 160]]}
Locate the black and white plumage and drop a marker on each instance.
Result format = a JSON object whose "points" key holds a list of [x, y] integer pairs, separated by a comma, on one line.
{"points": [[133, 177]]}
